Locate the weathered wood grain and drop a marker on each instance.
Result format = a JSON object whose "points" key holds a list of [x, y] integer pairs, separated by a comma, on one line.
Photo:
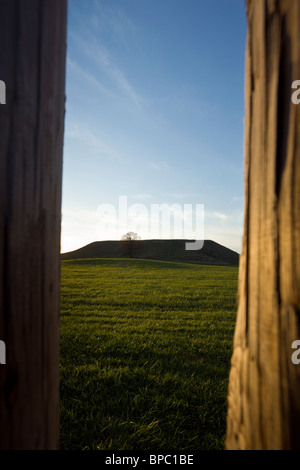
{"points": [[32, 65], [264, 384]]}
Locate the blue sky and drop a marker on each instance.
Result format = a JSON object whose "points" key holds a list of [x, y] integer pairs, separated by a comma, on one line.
{"points": [[154, 112]]}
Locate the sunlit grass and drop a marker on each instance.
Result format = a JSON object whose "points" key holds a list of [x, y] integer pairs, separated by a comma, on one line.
{"points": [[145, 354]]}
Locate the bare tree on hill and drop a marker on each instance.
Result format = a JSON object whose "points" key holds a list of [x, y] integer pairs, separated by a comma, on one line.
{"points": [[127, 241]]}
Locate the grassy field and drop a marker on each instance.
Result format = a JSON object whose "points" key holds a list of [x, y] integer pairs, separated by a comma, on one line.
{"points": [[145, 354]]}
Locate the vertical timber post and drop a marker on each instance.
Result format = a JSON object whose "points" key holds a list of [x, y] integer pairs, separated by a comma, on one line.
{"points": [[32, 66], [264, 383]]}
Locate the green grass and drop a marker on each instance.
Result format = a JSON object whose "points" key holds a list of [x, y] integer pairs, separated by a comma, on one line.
{"points": [[145, 354]]}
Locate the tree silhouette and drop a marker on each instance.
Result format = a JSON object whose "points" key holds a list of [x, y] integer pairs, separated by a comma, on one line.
{"points": [[128, 240]]}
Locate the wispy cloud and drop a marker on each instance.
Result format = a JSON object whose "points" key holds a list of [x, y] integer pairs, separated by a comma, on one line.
{"points": [[86, 136], [158, 166], [87, 77], [220, 215], [102, 58], [112, 18]]}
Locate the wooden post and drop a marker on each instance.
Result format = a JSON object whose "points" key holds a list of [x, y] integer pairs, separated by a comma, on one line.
{"points": [[264, 383], [32, 66]]}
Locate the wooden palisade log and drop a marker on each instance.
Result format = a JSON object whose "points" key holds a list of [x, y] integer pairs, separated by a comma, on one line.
{"points": [[32, 65], [264, 383]]}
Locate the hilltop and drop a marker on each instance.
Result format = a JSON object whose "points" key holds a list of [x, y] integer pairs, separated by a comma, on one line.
{"points": [[165, 250]]}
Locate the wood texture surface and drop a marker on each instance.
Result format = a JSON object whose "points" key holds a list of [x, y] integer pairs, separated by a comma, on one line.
{"points": [[32, 65], [264, 384]]}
